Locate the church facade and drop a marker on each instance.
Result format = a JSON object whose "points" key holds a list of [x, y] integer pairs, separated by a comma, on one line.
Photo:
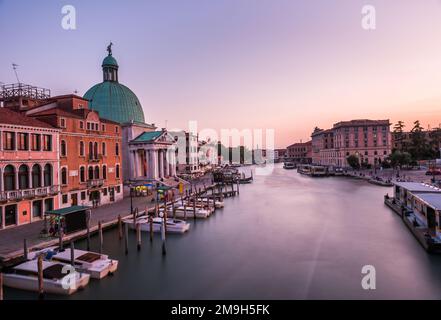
{"points": [[148, 154]]}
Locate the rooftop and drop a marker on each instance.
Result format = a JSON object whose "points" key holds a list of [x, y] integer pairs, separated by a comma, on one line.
{"points": [[13, 90], [14, 118], [432, 199], [418, 187], [148, 136]]}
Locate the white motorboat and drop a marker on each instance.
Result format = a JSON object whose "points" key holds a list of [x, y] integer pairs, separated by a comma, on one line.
{"points": [[173, 225], [95, 264], [56, 277], [199, 205], [217, 204], [188, 212]]}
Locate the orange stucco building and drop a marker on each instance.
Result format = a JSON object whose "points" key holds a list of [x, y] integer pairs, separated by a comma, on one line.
{"points": [[89, 148]]}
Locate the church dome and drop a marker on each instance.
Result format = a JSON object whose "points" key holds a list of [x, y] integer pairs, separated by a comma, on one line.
{"points": [[113, 100]]}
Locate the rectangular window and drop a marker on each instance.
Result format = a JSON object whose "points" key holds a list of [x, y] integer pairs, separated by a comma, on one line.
{"points": [[8, 140], [88, 126], [64, 198], [105, 192], [118, 189], [116, 129], [35, 142], [62, 123], [81, 125], [47, 142], [103, 127], [83, 195], [22, 141]]}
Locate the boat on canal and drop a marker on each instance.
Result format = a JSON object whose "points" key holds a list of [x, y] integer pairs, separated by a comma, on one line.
{"points": [[312, 171], [419, 206], [217, 204], [97, 265], [188, 212], [289, 165], [173, 225], [381, 182], [24, 276]]}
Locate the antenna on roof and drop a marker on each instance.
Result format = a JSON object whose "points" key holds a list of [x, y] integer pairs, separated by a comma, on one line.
{"points": [[14, 66]]}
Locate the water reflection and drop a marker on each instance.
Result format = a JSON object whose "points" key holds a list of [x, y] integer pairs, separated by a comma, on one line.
{"points": [[286, 236]]}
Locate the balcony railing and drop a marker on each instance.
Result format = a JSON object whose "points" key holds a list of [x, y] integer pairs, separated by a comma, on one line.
{"points": [[29, 193], [96, 158], [93, 183]]}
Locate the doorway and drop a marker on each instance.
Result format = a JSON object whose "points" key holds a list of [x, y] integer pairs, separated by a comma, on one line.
{"points": [[74, 199]]}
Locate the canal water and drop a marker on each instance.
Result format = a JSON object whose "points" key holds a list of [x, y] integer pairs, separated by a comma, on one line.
{"points": [[286, 236]]}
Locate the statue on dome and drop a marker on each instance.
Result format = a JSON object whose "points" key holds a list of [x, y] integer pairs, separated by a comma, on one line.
{"points": [[109, 48]]}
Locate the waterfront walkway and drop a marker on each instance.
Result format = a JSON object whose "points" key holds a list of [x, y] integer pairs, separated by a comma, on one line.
{"points": [[11, 240]]}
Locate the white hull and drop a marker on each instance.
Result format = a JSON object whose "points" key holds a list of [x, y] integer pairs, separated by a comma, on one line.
{"points": [[172, 227]]}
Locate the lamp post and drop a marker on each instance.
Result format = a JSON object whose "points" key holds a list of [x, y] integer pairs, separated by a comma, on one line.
{"points": [[131, 198]]}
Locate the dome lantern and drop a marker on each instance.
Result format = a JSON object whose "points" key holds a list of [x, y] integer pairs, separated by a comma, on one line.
{"points": [[110, 66], [113, 100]]}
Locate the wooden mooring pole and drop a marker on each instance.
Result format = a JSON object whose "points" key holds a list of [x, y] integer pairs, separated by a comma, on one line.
{"points": [[120, 230], [25, 249], [1, 286], [60, 239], [164, 249], [88, 230], [151, 228], [72, 254], [100, 232], [126, 237], [40, 278], [194, 207], [138, 236]]}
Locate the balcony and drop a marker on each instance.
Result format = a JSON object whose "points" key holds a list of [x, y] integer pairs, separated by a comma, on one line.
{"points": [[16, 195], [96, 158], [95, 183]]}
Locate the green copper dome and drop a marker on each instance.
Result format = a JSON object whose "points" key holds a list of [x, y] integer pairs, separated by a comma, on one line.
{"points": [[115, 102], [109, 61], [111, 99]]}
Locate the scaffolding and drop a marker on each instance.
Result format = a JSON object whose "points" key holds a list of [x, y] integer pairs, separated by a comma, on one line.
{"points": [[21, 90]]}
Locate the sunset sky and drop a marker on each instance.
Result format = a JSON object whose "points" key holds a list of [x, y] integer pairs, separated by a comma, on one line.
{"points": [[282, 64]]}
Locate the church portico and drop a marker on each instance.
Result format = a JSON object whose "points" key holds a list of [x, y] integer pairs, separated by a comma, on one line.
{"points": [[150, 156]]}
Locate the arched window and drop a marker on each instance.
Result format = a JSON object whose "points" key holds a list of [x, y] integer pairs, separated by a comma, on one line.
{"points": [[103, 148], [36, 176], [63, 150], [90, 150], [82, 174], [23, 177], [9, 178], [63, 176], [81, 148], [95, 150], [117, 149], [97, 172], [117, 171], [104, 172], [90, 173], [47, 172]]}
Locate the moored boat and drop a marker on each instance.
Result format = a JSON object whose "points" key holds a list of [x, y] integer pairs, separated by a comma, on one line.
{"points": [[173, 225], [95, 264], [289, 165], [56, 277]]}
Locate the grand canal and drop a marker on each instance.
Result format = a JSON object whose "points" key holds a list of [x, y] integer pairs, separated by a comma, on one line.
{"points": [[286, 236]]}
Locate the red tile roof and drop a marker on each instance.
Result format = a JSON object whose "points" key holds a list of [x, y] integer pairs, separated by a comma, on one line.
{"points": [[15, 118]]}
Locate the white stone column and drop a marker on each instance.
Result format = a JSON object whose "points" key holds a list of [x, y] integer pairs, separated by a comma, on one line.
{"points": [[155, 164], [165, 163], [135, 164], [161, 163]]}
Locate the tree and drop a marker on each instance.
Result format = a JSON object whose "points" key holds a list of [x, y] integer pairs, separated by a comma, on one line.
{"points": [[399, 126], [353, 161], [419, 147], [399, 159]]}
